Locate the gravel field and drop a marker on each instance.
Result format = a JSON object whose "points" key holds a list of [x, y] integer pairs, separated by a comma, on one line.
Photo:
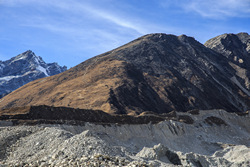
{"points": [[221, 141]]}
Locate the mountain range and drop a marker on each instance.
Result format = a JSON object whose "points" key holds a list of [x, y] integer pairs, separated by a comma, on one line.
{"points": [[155, 73], [160, 100], [24, 68]]}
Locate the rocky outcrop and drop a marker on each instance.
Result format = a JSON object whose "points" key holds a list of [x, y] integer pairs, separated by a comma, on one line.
{"points": [[63, 115], [35, 115], [155, 73], [236, 48], [24, 68]]}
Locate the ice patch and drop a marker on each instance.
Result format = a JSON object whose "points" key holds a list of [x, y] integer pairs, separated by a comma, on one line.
{"points": [[40, 68]]}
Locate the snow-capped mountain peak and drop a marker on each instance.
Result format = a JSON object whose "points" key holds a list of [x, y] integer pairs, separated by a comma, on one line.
{"points": [[26, 56], [24, 68]]}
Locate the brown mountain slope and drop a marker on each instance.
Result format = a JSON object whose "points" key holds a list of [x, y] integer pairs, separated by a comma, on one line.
{"points": [[156, 72]]}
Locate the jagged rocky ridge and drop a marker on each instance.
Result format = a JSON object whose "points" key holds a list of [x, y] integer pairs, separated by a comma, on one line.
{"points": [[155, 73], [214, 138], [236, 48], [24, 68]]}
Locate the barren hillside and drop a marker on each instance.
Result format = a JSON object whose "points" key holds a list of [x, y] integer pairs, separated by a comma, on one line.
{"points": [[156, 73]]}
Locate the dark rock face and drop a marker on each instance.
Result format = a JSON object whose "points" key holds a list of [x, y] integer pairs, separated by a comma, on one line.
{"points": [[155, 73], [236, 48], [24, 68], [182, 73]]}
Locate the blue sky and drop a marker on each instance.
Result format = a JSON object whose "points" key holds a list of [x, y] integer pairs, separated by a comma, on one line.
{"points": [[71, 31]]}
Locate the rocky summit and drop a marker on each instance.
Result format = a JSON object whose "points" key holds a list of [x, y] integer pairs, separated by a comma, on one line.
{"points": [[236, 48], [24, 68], [155, 73]]}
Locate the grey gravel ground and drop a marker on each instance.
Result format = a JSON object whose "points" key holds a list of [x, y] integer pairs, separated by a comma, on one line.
{"points": [[168, 143]]}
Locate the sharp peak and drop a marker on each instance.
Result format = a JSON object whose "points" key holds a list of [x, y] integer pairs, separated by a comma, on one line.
{"points": [[28, 52], [27, 55]]}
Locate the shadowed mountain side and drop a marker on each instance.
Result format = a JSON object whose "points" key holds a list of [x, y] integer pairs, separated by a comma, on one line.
{"points": [[103, 87], [156, 72]]}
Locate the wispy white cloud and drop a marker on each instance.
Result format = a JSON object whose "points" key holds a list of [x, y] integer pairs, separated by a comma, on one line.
{"points": [[115, 18], [119, 21], [81, 21], [82, 8], [216, 9], [90, 27], [220, 8], [87, 27]]}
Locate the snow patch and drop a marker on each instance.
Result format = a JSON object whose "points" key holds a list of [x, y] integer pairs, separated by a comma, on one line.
{"points": [[19, 58], [38, 60], [7, 78], [42, 69]]}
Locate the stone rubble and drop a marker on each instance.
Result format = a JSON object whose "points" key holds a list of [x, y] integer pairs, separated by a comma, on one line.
{"points": [[168, 143]]}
